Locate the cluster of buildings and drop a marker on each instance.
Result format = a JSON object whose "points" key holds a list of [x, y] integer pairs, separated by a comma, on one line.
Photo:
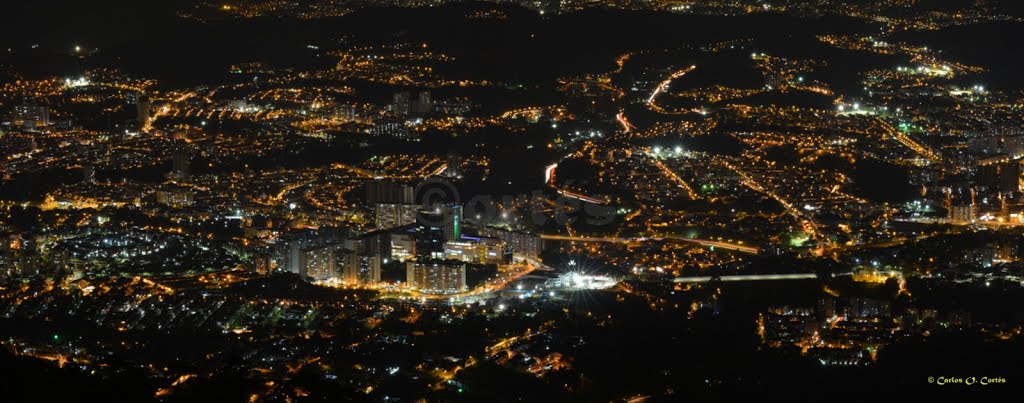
{"points": [[404, 110], [427, 248], [29, 117], [850, 330]]}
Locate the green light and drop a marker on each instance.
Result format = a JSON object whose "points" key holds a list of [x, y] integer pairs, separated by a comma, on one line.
{"points": [[798, 239], [56, 337]]}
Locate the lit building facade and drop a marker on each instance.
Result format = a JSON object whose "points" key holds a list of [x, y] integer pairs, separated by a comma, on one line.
{"points": [[437, 276]]}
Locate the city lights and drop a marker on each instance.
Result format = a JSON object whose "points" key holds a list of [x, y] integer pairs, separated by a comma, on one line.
{"points": [[526, 201]]}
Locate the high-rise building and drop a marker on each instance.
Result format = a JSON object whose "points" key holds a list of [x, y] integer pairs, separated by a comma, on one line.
{"points": [[30, 116], [359, 268], [372, 242], [1000, 176], [261, 263], [962, 213], [462, 251], [401, 104], [482, 251], [345, 113], [423, 104], [299, 251], [143, 110], [521, 242], [453, 167], [394, 215], [179, 166], [436, 276], [399, 245], [452, 222], [403, 247], [288, 257], [860, 307], [429, 233], [174, 196], [318, 262], [387, 192]]}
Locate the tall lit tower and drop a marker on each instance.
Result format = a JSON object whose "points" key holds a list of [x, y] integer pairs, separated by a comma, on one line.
{"points": [[452, 222]]}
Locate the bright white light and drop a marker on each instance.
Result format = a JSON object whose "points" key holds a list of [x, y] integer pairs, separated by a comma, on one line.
{"points": [[578, 281], [78, 82]]}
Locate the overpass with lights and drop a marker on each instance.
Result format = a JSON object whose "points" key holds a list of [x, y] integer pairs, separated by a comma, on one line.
{"points": [[703, 242]]}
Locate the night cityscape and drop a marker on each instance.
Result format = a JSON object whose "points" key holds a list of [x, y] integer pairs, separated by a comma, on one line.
{"points": [[511, 200]]}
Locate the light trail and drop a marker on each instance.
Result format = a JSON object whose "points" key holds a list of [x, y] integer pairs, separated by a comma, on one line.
{"points": [[663, 86], [549, 179], [580, 197], [549, 174], [626, 126]]}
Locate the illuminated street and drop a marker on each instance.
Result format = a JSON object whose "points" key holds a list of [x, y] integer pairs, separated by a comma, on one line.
{"points": [[511, 200]]}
